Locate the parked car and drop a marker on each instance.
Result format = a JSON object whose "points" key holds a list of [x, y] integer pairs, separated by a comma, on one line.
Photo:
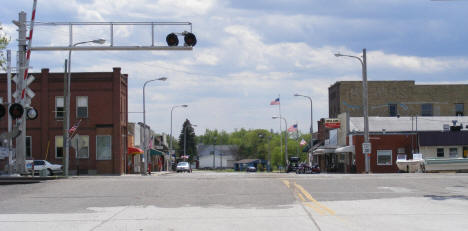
{"points": [[39, 165], [251, 168], [306, 169], [183, 167]]}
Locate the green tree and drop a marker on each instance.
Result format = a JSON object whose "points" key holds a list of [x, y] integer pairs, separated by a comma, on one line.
{"points": [[191, 147], [4, 40]]}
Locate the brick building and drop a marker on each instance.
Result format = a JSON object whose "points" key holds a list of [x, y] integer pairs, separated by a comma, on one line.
{"points": [[99, 99], [392, 98]]}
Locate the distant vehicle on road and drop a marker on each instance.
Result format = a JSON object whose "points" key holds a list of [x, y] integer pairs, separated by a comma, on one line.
{"points": [[39, 165], [183, 167], [293, 164], [306, 169], [251, 168]]}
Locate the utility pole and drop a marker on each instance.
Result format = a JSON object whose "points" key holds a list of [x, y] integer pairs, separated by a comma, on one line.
{"points": [[365, 106]]}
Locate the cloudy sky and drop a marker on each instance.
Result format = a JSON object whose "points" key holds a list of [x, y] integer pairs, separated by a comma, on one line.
{"points": [[249, 52]]}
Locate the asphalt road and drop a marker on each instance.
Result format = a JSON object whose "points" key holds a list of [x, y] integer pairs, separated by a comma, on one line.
{"points": [[239, 201]]}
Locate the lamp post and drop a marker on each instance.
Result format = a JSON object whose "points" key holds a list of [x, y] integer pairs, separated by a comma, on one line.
{"points": [[66, 121], [185, 139], [364, 100], [311, 119], [285, 139], [145, 146], [172, 109], [170, 137]]}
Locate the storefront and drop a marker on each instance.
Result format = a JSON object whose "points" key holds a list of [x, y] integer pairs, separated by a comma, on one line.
{"points": [[134, 160]]}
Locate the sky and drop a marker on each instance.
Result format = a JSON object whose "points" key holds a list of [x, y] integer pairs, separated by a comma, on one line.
{"points": [[250, 52]]}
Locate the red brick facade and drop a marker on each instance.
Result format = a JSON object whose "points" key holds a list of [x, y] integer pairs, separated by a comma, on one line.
{"points": [[384, 142], [107, 115]]}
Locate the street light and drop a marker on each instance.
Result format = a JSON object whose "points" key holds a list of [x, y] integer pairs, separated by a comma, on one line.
{"points": [[172, 109], [170, 137], [285, 139], [311, 120], [66, 121], [364, 100], [145, 164]]}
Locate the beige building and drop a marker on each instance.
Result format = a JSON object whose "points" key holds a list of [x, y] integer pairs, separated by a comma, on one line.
{"points": [[404, 98]]}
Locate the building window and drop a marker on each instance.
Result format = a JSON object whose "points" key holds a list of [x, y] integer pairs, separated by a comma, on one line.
{"points": [[103, 147], [59, 110], [384, 157], [83, 146], [28, 147], [459, 109], [58, 147], [426, 109], [82, 106], [453, 152], [392, 110], [401, 150], [440, 152]]}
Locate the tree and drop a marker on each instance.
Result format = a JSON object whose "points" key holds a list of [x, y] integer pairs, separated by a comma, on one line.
{"points": [[191, 148], [4, 40]]}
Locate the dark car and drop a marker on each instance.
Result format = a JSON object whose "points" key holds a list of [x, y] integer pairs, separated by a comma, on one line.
{"points": [[306, 169], [293, 164], [251, 169]]}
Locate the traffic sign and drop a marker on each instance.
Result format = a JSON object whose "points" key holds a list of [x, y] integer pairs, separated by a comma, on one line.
{"points": [[366, 148]]}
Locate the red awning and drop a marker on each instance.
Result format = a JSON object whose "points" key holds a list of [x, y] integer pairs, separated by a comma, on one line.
{"points": [[134, 150]]}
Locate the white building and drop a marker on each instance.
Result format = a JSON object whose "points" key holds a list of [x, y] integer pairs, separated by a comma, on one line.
{"points": [[224, 156]]}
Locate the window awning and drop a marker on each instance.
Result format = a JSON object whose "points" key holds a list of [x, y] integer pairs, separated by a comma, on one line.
{"points": [[345, 149], [134, 150], [327, 150], [155, 152]]}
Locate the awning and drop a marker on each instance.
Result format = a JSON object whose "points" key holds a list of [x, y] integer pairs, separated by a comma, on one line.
{"points": [[134, 151], [345, 149], [327, 150], [155, 152]]}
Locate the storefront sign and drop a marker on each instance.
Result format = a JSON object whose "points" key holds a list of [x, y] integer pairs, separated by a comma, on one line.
{"points": [[332, 123]]}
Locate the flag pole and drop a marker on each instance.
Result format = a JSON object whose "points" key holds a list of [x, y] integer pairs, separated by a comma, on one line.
{"points": [[281, 130]]}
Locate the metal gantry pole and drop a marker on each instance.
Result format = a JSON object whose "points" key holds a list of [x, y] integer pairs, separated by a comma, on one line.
{"points": [[145, 154], [66, 144], [21, 70], [10, 143]]}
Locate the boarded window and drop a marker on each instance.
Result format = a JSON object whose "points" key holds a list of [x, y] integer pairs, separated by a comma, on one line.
{"points": [[103, 147]]}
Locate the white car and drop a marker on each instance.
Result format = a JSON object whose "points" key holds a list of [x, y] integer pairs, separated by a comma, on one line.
{"points": [[40, 165], [183, 167]]}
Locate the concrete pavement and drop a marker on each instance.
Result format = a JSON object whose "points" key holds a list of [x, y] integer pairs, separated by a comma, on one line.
{"points": [[239, 201]]}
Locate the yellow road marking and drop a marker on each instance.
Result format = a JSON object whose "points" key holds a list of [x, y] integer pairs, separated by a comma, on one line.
{"points": [[301, 197], [313, 200], [286, 182]]}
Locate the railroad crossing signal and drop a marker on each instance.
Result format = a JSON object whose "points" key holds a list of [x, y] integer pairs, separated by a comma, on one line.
{"points": [[29, 94]]}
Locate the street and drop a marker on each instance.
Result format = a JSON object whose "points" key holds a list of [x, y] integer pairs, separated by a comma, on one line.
{"points": [[205, 200]]}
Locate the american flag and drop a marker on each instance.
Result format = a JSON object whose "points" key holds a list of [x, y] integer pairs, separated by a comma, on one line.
{"points": [[151, 142], [303, 142], [292, 128], [275, 102], [74, 127]]}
